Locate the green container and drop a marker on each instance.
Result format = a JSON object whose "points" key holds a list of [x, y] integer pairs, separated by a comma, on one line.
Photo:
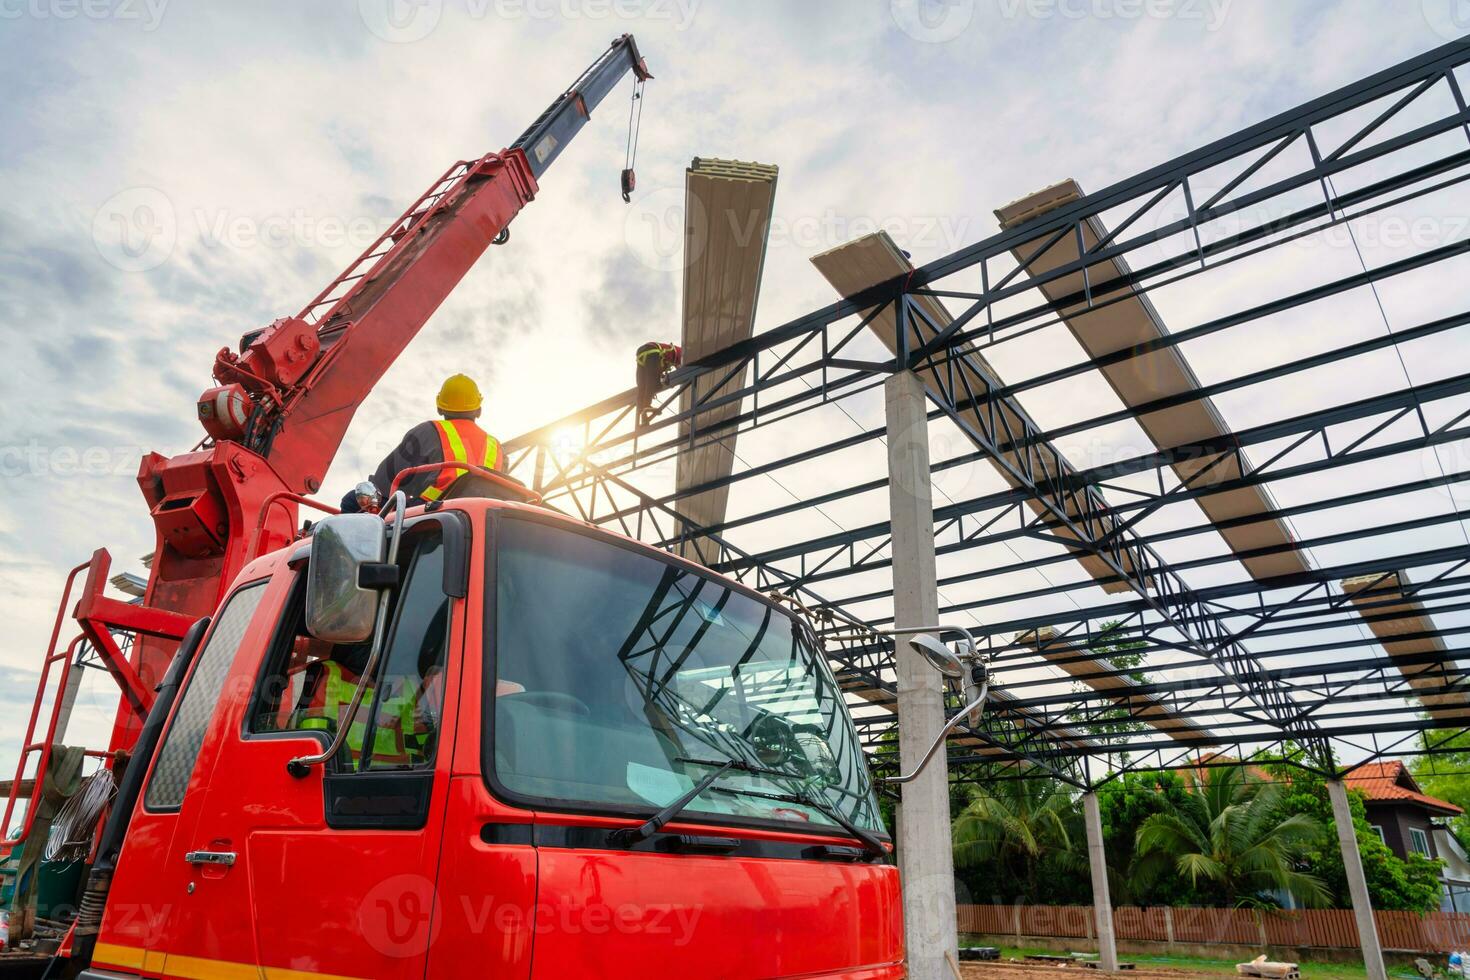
{"points": [[58, 887]]}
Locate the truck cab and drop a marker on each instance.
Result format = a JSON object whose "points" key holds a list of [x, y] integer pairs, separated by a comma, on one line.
{"points": [[539, 699]]}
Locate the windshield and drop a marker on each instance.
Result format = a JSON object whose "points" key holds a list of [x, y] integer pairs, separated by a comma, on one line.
{"points": [[621, 678]]}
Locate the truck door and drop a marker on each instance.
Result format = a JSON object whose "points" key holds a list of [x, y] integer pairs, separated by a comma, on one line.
{"points": [[333, 872], [145, 888]]}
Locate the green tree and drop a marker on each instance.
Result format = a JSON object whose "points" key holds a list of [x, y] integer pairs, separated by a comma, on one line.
{"points": [[1026, 834], [1394, 884], [1125, 803], [1230, 836], [1445, 773]]}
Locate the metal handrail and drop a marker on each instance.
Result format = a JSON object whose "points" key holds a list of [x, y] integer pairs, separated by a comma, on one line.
{"points": [[500, 479]]}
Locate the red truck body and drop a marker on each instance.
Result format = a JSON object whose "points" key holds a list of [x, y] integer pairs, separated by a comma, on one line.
{"points": [[486, 883]]}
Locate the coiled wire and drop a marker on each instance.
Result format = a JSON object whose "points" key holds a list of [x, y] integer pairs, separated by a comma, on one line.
{"points": [[74, 827]]}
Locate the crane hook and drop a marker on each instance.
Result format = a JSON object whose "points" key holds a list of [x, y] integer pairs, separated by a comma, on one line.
{"points": [[635, 123]]}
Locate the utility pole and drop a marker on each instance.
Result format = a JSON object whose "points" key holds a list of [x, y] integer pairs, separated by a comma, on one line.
{"points": [[1102, 901], [1352, 863], [926, 858]]}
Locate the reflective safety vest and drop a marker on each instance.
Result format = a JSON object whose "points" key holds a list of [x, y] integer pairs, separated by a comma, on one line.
{"points": [[462, 441], [653, 349], [335, 694]]}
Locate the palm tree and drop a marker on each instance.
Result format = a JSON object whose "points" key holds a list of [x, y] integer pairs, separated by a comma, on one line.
{"points": [[1017, 827], [1229, 833]]}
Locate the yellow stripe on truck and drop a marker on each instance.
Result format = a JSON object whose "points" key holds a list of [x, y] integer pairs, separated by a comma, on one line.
{"points": [[127, 957], [195, 967]]}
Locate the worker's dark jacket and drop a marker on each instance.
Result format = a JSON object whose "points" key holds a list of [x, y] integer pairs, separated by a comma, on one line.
{"points": [[420, 445], [654, 359]]}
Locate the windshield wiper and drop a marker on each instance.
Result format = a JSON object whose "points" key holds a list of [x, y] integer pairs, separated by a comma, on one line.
{"points": [[806, 797], [826, 807], [651, 826], [803, 796]]}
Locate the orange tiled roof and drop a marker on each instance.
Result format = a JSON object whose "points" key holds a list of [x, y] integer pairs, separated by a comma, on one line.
{"points": [[1390, 782]]}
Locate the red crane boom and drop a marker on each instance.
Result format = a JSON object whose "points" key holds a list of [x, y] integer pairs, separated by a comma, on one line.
{"points": [[284, 401]]}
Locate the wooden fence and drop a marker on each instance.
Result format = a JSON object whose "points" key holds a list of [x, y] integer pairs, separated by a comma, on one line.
{"points": [[1433, 932]]}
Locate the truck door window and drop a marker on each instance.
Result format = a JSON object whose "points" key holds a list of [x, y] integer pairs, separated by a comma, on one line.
{"points": [[308, 684], [180, 749]]}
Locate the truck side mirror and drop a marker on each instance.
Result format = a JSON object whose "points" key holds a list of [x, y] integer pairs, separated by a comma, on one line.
{"points": [[340, 606]]}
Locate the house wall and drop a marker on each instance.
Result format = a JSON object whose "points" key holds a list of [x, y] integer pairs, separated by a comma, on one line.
{"points": [[1396, 819]]}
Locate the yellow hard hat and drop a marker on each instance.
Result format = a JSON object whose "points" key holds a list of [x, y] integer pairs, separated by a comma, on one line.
{"points": [[459, 394]]}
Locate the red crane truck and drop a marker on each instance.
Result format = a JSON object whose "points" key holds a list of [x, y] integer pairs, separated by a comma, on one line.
{"points": [[472, 736]]}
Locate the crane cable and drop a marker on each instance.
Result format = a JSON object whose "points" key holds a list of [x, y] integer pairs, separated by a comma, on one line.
{"points": [[630, 152]]}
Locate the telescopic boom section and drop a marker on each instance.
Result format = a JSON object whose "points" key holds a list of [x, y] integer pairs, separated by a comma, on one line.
{"points": [[363, 321]]}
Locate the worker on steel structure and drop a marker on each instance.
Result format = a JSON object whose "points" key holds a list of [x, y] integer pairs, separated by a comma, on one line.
{"points": [[655, 360], [454, 438]]}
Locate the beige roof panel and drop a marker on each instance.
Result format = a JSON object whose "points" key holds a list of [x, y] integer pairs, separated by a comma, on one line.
{"points": [[873, 259], [1395, 619], [1157, 374], [728, 213], [1145, 707]]}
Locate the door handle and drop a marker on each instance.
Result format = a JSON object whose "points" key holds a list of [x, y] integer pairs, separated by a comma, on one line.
{"points": [[226, 858]]}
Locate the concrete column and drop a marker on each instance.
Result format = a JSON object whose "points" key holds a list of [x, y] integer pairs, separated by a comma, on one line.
{"points": [[926, 857], [1102, 900], [1352, 862]]}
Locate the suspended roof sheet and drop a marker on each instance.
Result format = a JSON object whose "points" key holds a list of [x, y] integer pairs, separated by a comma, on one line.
{"points": [[1148, 708], [728, 213]]}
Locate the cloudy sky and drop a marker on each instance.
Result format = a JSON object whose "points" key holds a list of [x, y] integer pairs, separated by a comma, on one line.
{"points": [[178, 172]]}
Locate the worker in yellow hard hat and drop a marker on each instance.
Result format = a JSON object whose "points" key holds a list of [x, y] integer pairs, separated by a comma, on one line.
{"points": [[455, 437]]}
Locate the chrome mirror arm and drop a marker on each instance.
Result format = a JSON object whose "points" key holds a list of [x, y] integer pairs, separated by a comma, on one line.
{"points": [[973, 707], [299, 767], [972, 660]]}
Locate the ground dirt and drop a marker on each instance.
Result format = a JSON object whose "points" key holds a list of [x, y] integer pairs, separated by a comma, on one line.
{"points": [[1003, 970]]}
